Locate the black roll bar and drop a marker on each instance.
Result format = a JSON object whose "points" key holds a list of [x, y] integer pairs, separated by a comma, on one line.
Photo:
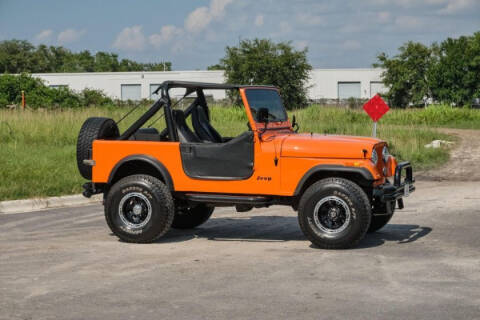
{"points": [[144, 118]]}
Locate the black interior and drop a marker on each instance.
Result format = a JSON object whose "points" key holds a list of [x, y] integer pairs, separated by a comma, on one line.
{"points": [[232, 160], [205, 153], [183, 130], [146, 134], [202, 126]]}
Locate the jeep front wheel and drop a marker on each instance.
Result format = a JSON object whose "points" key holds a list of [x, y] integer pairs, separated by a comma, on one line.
{"points": [[191, 217], [139, 208], [334, 213]]}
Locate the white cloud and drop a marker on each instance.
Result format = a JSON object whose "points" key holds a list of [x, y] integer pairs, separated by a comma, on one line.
{"points": [[70, 35], [44, 35], [454, 6], [351, 44], [217, 7], [201, 17], [167, 34], [198, 20], [259, 20], [447, 6], [130, 39]]}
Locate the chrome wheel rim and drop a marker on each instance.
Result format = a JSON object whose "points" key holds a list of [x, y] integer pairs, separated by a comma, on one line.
{"points": [[135, 210], [332, 215]]}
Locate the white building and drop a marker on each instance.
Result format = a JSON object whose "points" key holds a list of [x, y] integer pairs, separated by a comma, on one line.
{"points": [[324, 83]]}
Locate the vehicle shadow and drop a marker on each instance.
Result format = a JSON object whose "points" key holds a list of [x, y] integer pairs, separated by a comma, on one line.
{"points": [[399, 233], [285, 228]]}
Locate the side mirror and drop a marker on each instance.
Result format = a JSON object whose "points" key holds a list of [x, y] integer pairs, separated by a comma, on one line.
{"points": [[262, 115], [295, 125]]}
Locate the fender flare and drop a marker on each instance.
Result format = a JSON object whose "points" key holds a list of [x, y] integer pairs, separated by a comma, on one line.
{"points": [[325, 168], [149, 160]]}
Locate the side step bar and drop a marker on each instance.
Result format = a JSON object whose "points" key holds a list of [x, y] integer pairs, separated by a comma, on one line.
{"points": [[227, 199]]}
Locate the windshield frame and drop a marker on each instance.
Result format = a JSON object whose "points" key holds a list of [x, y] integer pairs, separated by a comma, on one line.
{"points": [[260, 125], [285, 115]]}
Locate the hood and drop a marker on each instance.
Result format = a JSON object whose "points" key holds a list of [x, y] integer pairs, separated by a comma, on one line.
{"points": [[327, 146]]}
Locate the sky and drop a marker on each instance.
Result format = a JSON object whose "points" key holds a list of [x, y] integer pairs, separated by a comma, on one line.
{"points": [[193, 34]]}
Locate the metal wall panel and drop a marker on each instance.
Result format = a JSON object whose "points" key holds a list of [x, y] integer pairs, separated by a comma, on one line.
{"points": [[377, 87], [348, 90], [131, 92]]}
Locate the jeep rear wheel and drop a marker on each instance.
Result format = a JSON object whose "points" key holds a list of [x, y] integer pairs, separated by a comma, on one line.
{"points": [[334, 213], [92, 129], [139, 208], [191, 217]]}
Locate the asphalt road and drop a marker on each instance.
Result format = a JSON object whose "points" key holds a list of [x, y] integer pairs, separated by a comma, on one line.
{"points": [[65, 264]]}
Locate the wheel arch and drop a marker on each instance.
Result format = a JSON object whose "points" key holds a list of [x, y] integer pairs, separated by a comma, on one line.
{"points": [[140, 164], [360, 176]]}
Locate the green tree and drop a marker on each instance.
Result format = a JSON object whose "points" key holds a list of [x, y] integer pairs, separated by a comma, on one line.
{"points": [[18, 56], [217, 66], [261, 61], [455, 73], [106, 62], [406, 74]]}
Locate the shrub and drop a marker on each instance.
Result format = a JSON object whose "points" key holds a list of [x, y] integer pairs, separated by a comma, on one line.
{"points": [[92, 97], [38, 95]]}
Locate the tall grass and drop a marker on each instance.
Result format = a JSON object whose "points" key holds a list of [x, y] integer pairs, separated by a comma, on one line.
{"points": [[37, 149]]}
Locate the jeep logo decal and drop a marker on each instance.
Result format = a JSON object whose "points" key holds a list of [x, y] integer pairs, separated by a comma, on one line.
{"points": [[264, 178]]}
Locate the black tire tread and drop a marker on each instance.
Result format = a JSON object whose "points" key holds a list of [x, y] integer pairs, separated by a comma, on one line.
{"points": [[356, 191], [159, 188], [90, 131], [378, 222], [194, 219]]}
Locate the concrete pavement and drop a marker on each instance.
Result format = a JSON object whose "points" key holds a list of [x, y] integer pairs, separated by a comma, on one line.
{"points": [[65, 263]]}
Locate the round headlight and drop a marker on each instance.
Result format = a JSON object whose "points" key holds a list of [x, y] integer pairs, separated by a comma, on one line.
{"points": [[374, 156], [385, 154]]}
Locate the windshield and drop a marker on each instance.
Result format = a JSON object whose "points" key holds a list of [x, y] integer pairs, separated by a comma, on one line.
{"points": [[269, 99]]}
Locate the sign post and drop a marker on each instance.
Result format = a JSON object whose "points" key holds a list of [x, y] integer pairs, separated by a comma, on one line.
{"points": [[375, 108]]}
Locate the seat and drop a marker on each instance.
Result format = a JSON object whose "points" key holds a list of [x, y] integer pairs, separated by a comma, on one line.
{"points": [[202, 126], [184, 132], [146, 134]]}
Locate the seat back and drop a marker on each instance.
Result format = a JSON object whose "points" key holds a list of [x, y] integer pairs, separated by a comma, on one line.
{"points": [[202, 126], [184, 132]]}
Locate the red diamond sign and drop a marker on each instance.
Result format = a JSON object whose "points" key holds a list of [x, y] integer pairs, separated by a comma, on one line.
{"points": [[376, 108]]}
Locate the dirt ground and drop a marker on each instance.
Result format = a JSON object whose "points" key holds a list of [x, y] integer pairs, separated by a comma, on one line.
{"points": [[425, 264], [464, 159]]}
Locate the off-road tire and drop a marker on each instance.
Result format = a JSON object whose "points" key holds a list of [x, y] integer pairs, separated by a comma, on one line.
{"points": [[159, 198], [93, 129], [355, 200], [191, 217], [379, 222]]}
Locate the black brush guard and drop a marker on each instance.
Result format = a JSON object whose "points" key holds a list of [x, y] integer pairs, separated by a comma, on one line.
{"points": [[395, 192]]}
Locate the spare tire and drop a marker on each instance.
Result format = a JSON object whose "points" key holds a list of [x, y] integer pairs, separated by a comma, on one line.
{"points": [[93, 129]]}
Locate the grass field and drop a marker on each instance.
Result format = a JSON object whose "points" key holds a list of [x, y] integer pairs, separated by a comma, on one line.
{"points": [[37, 154]]}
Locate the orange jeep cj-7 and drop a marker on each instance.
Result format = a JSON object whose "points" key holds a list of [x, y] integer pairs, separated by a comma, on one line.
{"points": [[341, 186]]}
